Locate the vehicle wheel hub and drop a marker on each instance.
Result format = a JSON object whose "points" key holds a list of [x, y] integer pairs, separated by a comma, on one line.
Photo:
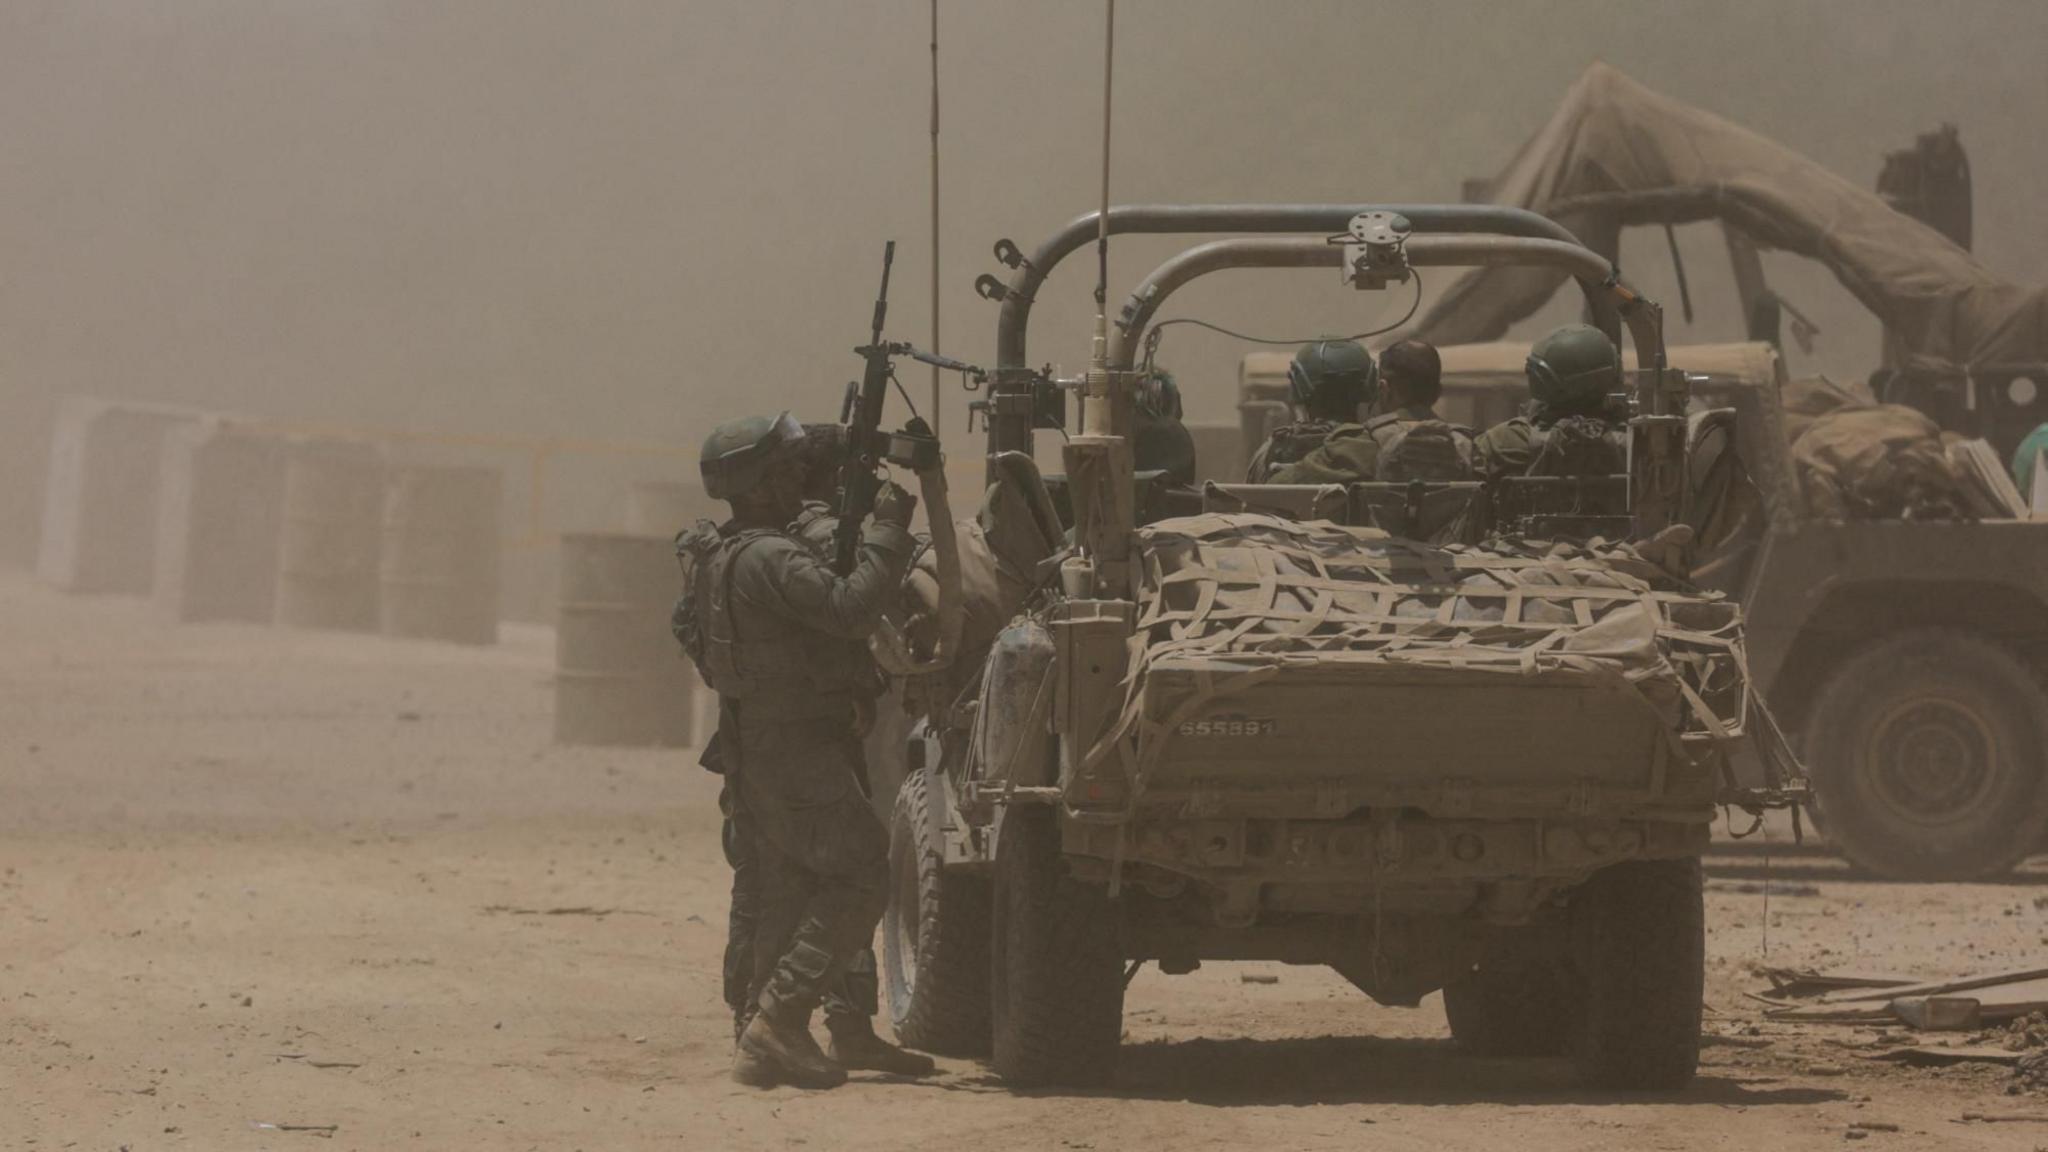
{"points": [[1932, 759]]}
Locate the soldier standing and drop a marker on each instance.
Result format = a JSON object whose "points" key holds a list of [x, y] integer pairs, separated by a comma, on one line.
{"points": [[779, 636]]}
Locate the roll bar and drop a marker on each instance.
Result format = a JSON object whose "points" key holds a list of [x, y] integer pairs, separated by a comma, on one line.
{"points": [[1596, 277], [1011, 404], [1328, 219]]}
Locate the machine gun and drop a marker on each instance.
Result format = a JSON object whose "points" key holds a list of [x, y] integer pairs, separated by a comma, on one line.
{"points": [[867, 446]]}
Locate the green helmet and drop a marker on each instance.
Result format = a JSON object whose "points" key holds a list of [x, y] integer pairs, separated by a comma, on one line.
{"points": [[738, 453], [1329, 379], [1575, 367]]}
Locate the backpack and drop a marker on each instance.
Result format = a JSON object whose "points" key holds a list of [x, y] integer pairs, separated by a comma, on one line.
{"points": [[1421, 450], [701, 620], [696, 549]]}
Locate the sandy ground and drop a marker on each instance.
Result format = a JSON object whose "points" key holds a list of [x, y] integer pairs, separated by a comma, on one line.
{"points": [[250, 877]]}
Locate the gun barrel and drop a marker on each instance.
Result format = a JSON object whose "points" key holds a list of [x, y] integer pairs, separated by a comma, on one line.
{"points": [[857, 478]]}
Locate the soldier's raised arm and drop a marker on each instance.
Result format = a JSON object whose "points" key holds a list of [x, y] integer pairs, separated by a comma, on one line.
{"points": [[788, 579]]}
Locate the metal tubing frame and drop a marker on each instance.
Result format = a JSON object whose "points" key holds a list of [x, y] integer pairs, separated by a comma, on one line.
{"points": [[1158, 219], [1010, 424], [1596, 277]]}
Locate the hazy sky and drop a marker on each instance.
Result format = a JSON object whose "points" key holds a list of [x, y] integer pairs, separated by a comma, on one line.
{"points": [[631, 217]]}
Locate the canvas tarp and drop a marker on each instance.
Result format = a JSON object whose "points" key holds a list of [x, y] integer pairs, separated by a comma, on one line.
{"points": [[1617, 153], [1234, 600]]}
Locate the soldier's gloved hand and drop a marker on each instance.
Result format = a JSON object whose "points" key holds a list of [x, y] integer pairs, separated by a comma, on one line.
{"points": [[894, 505]]}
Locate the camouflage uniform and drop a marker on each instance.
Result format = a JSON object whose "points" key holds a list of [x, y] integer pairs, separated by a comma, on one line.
{"points": [[1355, 452], [1573, 430], [782, 642], [1328, 381], [1523, 446], [1289, 445]]}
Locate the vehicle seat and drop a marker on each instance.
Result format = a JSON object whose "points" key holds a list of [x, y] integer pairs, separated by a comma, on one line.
{"points": [[1564, 507], [1438, 511]]}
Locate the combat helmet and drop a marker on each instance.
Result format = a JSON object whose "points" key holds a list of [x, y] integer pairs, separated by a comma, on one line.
{"points": [[1330, 379], [738, 453], [1573, 368]]}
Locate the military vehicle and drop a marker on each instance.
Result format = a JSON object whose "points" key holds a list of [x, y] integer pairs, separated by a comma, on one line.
{"points": [[1287, 727], [1906, 657]]}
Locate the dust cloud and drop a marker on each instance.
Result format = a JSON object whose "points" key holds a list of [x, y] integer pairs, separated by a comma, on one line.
{"points": [[625, 220]]}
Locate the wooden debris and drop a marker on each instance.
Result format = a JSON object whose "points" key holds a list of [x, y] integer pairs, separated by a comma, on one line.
{"points": [[1931, 1056], [1802, 982], [1939, 987]]}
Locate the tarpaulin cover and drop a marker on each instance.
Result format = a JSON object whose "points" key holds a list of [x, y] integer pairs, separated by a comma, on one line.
{"points": [[1238, 599], [1617, 153]]}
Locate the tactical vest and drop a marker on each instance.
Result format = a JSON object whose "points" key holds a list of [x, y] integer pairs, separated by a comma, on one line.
{"points": [[1289, 444], [777, 665], [1578, 446], [704, 618], [1411, 449]]}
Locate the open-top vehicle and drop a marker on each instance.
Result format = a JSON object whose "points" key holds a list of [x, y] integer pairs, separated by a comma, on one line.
{"points": [[1289, 727]]}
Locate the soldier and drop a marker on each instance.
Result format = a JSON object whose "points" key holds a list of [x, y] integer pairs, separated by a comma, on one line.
{"points": [[780, 637], [1162, 442], [1327, 384], [1572, 428], [1407, 442]]}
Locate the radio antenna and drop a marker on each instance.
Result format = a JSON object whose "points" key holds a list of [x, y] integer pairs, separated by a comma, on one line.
{"points": [[936, 349], [1095, 412], [1102, 219]]}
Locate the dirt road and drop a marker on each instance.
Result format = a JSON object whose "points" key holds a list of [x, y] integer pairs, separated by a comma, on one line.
{"points": [[346, 887]]}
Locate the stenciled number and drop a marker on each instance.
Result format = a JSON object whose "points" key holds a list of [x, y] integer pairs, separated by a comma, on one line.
{"points": [[1228, 726]]}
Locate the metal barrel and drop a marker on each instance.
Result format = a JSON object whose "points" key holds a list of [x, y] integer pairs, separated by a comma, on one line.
{"points": [[332, 534], [219, 518], [619, 677], [99, 528], [439, 575]]}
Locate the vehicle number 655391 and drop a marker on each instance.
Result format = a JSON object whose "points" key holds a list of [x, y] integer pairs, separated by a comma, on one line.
{"points": [[1239, 726]]}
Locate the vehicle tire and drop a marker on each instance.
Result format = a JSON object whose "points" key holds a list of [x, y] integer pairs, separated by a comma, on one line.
{"points": [[1058, 1003], [1926, 752], [935, 936], [1509, 1009], [1639, 948]]}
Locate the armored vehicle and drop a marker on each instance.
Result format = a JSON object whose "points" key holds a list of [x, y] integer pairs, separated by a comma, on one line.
{"points": [[1405, 730]]}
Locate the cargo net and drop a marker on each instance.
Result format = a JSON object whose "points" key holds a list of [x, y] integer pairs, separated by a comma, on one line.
{"points": [[1238, 599]]}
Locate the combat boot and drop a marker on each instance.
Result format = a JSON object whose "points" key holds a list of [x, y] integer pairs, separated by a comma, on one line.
{"points": [[775, 1051], [856, 1047]]}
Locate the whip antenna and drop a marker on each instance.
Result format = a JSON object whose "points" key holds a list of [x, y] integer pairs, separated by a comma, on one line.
{"points": [[936, 348], [1102, 219]]}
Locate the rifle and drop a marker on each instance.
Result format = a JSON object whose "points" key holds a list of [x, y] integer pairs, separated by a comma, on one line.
{"points": [[867, 446]]}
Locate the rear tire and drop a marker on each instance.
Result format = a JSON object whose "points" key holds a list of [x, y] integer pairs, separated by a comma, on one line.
{"points": [[1639, 948], [935, 936], [1058, 999], [1504, 1008], [1926, 750]]}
